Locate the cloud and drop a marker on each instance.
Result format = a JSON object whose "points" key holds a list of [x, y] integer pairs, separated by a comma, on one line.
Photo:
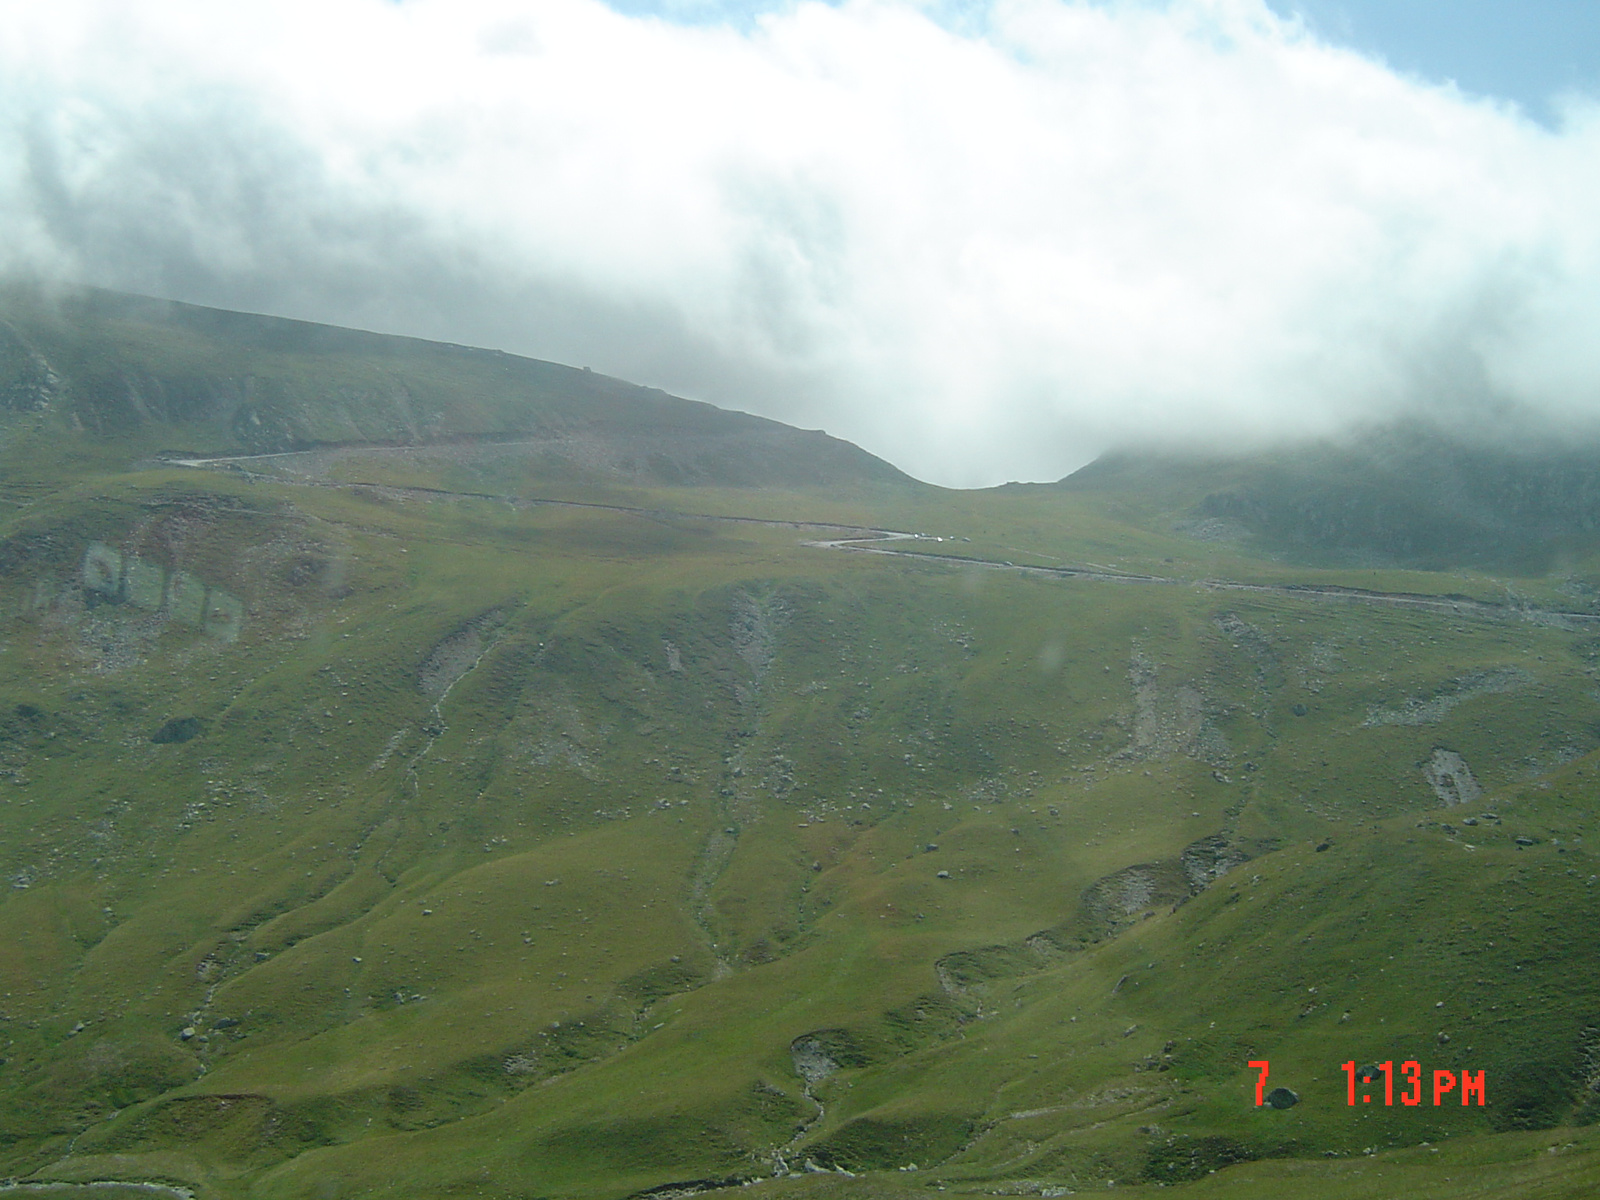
{"points": [[985, 249]]}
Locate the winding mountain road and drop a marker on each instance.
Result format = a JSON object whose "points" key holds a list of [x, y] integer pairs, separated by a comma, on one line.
{"points": [[860, 539], [874, 543]]}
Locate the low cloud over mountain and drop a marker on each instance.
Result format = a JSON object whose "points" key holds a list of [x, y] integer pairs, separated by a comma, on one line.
{"points": [[984, 248]]}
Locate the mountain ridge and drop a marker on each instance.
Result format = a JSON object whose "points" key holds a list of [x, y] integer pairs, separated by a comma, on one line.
{"points": [[1408, 493], [115, 366]]}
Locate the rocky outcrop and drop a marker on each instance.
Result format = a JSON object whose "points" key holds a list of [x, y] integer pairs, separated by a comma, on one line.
{"points": [[1451, 779]]}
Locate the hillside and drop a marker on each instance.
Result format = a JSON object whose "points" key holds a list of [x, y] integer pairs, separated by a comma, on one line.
{"points": [[385, 821], [165, 378], [1410, 494]]}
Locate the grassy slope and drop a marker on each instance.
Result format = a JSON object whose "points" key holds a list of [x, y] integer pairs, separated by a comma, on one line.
{"points": [[149, 377], [1517, 499], [521, 843]]}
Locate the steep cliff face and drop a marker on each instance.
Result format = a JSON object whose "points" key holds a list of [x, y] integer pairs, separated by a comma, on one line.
{"points": [[160, 375], [1410, 495]]}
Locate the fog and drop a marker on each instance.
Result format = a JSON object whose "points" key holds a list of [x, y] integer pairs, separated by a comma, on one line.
{"points": [[985, 249]]}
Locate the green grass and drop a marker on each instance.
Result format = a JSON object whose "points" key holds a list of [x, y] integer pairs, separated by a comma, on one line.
{"points": [[519, 843]]}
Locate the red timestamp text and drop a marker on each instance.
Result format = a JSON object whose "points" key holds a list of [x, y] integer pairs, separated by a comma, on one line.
{"points": [[1378, 1080], [1366, 1080]]}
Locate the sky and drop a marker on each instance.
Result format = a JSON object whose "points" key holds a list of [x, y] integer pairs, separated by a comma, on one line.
{"points": [[987, 240]]}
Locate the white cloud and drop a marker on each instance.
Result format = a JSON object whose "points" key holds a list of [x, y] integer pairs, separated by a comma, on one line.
{"points": [[983, 255]]}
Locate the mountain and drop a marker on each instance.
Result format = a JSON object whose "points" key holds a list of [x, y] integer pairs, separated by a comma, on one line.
{"points": [[399, 818], [169, 377], [1410, 494]]}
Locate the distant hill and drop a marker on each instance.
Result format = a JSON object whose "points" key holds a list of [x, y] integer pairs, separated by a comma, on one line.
{"points": [[163, 376], [1403, 495]]}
